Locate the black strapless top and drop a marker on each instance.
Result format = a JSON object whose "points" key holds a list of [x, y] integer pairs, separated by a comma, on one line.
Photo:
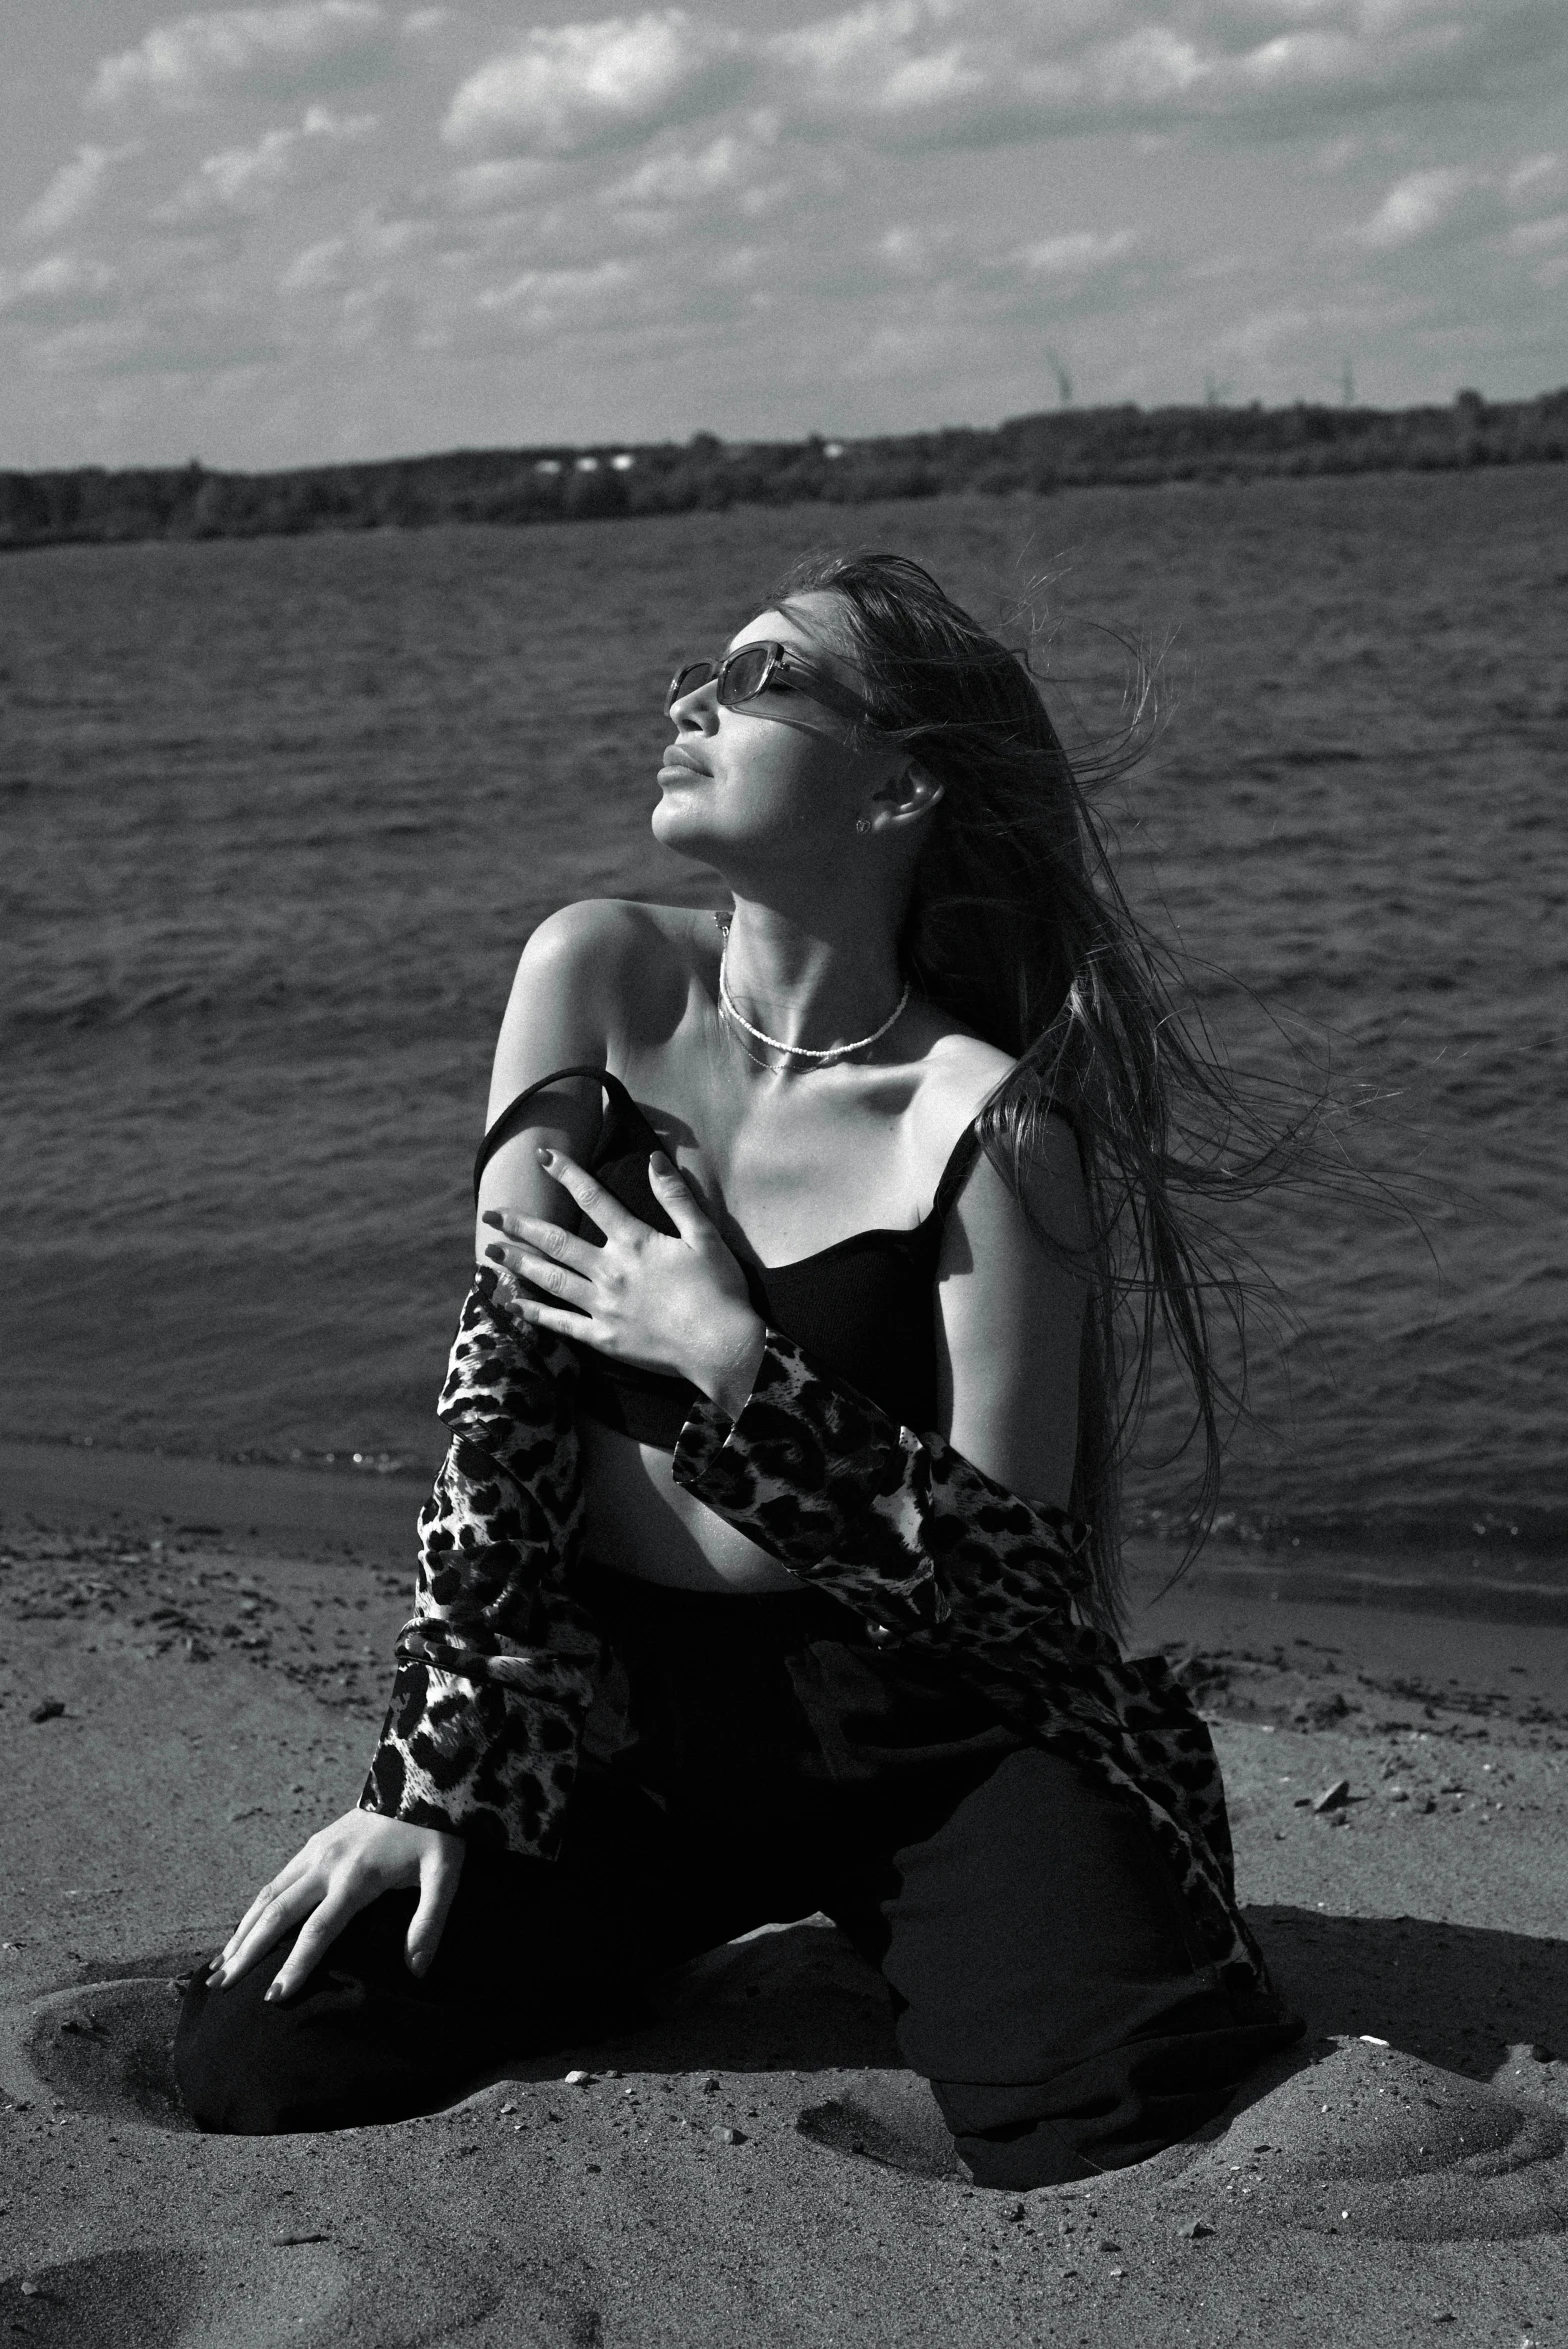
{"points": [[864, 1309]]}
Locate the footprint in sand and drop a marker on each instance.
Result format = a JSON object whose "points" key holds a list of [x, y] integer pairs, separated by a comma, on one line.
{"points": [[104, 2047], [175, 2299]]}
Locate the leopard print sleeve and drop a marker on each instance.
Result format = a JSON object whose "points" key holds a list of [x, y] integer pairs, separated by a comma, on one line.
{"points": [[918, 1540], [498, 1666], [899, 1525]]}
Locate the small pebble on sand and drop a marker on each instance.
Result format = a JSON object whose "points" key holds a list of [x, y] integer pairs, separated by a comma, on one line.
{"points": [[1333, 1797], [579, 2079]]}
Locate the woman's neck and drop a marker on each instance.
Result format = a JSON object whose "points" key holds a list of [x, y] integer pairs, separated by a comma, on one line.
{"points": [[815, 986]]}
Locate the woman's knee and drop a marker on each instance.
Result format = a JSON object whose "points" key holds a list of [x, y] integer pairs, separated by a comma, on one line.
{"points": [[232, 2056], [345, 2048], [1113, 2107]]}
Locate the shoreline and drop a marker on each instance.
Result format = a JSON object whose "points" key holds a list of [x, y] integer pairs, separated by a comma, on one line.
{"points": [[371, 1509]]}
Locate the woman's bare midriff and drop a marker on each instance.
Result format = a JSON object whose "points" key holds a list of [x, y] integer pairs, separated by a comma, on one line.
{"points": [[640, 1521]]}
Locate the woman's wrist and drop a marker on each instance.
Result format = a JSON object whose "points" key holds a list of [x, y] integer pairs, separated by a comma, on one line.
{"points": [[731, 1358]]}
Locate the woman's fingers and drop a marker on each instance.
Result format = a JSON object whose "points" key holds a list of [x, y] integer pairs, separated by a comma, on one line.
{"points": [[615, 1221], [317, 1936], [678, 1200], [272, 1921], [438, 1880], [280, 1884], [559, 1318], [532, 1265], [546, 1239]]}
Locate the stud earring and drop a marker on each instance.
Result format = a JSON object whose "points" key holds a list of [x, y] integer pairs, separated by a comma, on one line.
{"points": [[862, 823]]}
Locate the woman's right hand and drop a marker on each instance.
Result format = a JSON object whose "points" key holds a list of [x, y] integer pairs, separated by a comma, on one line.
{"points": [[340, 1871]]}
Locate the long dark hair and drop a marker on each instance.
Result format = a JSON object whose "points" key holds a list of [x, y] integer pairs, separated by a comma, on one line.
{"points": [[1017, 927]]}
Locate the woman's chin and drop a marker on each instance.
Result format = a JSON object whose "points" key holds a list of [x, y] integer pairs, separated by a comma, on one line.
{"points": [[676, 824]]}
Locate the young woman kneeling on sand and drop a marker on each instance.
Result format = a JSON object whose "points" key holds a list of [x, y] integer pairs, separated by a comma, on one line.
{"points": [[789, 1389]]}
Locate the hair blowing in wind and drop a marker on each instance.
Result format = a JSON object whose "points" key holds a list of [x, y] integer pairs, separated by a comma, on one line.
{"points": [[1016, 925]]}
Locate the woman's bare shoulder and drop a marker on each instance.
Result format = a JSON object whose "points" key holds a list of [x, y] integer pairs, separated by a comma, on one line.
{"points": [[616, 961], [959, 1073], [964, 1072], [611, 943]]}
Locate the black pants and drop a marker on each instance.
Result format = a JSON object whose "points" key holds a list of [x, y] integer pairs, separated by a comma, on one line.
{"points": [[773, 1761]]}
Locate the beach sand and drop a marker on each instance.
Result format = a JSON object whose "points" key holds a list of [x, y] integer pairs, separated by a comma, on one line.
{"points": [[191, 1674]]}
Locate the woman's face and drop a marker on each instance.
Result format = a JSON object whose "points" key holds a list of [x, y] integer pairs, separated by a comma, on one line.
{"points": [[776, 778]]}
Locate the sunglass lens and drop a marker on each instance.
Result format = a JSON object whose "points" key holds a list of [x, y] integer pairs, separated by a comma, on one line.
{"points": [[691, 679], [744, 673]]}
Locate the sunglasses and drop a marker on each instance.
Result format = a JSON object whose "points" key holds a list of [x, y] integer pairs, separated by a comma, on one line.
{"points": [[741, 675]]}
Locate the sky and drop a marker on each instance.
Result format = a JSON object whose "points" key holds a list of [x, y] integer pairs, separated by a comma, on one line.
{"points": [[268, 236]]}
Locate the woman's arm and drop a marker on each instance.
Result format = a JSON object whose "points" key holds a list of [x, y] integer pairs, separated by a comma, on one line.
{"points": [[1010, 1309], [496, 1668]]}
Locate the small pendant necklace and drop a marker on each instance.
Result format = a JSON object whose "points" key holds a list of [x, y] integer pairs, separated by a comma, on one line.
{"points": [[798, 1051]]}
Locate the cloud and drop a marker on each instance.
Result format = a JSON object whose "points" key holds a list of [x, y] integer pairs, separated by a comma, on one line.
{"points": [[576, 88], [914, 73], [337, 264], [1083, 253], [683, 177], [59, 291], [543, 299], [1425, 204], [986, 71], [74, 189], [1454, 203], [248, 179], [269, 52], [500, 186]]}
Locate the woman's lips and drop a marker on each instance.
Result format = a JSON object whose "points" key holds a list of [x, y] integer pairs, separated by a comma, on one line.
{"points": [[677, 755]]}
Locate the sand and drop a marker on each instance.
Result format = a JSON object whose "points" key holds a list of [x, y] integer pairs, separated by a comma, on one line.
{"points": [[208, 1649]]}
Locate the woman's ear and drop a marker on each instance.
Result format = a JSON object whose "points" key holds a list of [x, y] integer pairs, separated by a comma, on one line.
{"points": [[909, 793]]}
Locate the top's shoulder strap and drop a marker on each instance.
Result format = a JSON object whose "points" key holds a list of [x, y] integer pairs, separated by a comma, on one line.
{"points": [[511, 1119], [960, 1159], [966, 1150]]}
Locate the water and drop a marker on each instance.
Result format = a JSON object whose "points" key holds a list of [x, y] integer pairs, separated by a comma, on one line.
{"points": [[278, 817]]}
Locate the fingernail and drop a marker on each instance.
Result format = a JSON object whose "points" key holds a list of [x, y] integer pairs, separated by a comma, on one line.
{"points": [[273, 1994], [544, 1156], [492, 1215], [495, 1254]]}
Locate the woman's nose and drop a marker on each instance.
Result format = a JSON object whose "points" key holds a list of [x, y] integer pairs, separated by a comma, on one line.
{"points": [[698, 711]]}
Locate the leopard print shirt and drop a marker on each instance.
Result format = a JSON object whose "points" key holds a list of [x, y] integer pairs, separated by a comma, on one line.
{"points": [[500, 1663]]}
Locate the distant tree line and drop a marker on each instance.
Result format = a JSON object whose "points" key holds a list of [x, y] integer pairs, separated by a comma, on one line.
{"points": [[1062, 448]]}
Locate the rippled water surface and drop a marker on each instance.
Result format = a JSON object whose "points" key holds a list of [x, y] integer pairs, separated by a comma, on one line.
{"points": [[278, 817]]}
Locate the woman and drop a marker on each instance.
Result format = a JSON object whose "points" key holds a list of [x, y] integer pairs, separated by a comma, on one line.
{"points": [[800, 1409]]}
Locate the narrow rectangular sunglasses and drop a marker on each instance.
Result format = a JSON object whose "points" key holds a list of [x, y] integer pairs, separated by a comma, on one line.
{"points": [[749, 670]]}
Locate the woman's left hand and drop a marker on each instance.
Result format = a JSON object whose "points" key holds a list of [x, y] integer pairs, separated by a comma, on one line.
{"points": [[673, 1304]]}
